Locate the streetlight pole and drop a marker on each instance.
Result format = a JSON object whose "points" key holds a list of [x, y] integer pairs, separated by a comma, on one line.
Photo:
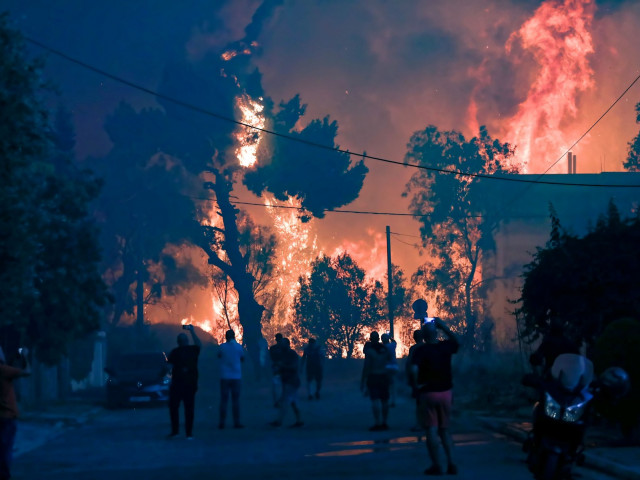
{"points": [[389, 282]]}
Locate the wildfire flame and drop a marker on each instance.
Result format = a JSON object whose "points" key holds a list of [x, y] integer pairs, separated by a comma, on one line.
{"points": [[249, 138], [298, 247], [559, 40]]}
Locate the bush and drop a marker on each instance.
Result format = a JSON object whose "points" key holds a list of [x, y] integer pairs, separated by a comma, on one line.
{"points": [[618, 347]]}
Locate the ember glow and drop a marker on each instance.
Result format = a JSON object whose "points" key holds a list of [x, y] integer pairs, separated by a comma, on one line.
{"points": [[558, 38], [249, 138]]}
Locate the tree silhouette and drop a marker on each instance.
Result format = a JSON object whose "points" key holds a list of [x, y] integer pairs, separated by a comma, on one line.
{"points": [[458, 221], [52, 292], [587, 282], [632, 163], [336, 302]]}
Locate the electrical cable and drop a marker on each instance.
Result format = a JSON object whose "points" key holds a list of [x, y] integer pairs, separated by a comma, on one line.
{"points": [[364, 156]]}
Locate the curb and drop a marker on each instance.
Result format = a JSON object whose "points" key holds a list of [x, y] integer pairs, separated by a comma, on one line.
{"points": [[592, 461]]}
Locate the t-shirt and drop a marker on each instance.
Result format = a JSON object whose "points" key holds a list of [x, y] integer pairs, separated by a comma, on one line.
{"points": [[313, 357], [376, 359], [434, 365], [289, 368], [185, 365], [275, 354], [392, 364], [8, 403], [231, 354]]}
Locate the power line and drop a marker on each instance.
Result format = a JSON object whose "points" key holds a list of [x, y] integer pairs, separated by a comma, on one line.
{"points": [[364, 156], [407, 243], [405, 235]]}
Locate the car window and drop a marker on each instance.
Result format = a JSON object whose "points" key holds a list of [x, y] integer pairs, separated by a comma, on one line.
{"points": [[141, 361]]}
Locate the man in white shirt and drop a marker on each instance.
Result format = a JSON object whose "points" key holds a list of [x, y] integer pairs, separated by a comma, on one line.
{"points": [[231, 355]]}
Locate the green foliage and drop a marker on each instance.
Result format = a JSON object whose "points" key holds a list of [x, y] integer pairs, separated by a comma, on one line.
{"points": [[285, 165], [618, 347], [632, 163], [144, 208], [458, 220], [52, 290], [336, 302], [587, 282]]}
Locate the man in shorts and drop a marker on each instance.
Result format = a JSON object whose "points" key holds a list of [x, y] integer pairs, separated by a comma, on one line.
{"points": [[275, 355], [375, 380], [289, 372], [434, 383]]}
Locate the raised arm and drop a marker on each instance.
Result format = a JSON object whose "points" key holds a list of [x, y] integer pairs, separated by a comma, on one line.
{"points": [[194, 337], [447, 331]]}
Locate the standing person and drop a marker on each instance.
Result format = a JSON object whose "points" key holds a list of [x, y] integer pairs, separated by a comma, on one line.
{"points": [[231, 355], [9, 408], [417, 338], [375, 380], [313, 358], [184, 381], [290, 384], [392, 367], [275, 355], [434, 381]]}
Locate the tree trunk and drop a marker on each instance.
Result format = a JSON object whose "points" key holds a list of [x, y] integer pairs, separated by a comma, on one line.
{"points": [[250, 313], [140, 303]]}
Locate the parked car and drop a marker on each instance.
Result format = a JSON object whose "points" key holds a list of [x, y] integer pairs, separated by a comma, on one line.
{"points": [[138, 378]]}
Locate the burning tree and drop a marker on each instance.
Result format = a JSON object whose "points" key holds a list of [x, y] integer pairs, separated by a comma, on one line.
{"points": [[142, 210], [225, 152], [632, 163], [336, 302], [457, 222]]}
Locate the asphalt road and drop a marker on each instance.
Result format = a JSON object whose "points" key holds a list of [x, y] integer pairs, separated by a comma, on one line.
{"points": [[334, 443]]}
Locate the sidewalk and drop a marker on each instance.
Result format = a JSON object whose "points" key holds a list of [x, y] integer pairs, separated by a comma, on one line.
{"points": [[622, 462], [37, 427]]}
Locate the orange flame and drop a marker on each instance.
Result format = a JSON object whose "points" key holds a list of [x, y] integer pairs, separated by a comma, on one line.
{"points": [[249, 138], [558, 37]]}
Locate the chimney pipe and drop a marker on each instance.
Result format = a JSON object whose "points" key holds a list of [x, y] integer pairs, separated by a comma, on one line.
{"points": [[574, 163], [569, 162]]}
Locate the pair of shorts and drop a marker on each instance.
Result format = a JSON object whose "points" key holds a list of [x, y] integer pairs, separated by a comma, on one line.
{"points": [[434, 409], [289, 393], [378, 386]]}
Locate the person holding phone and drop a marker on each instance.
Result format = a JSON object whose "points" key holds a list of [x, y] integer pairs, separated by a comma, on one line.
{"points": [[434, 382], [184, 381]]}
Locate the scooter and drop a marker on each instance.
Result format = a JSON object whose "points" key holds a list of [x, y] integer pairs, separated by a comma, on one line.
{"points": [[560, 417]]}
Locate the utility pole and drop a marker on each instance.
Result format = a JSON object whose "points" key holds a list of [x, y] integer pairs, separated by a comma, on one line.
{"points": [[390, 282]]}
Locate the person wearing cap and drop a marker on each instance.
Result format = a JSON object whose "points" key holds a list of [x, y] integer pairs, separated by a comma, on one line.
{"points": [[434, 382], [9, 408]]}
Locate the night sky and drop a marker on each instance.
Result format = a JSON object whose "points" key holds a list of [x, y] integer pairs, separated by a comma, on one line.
{"points": [[382, 69]]}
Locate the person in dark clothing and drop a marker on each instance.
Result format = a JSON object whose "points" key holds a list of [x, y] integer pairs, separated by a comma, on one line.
{"points": [[289, 372], [9, 408], [275, 355], [312, 359], [375, 380], [434, 382], [184, 381], [417, 338], [553, 344]]}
